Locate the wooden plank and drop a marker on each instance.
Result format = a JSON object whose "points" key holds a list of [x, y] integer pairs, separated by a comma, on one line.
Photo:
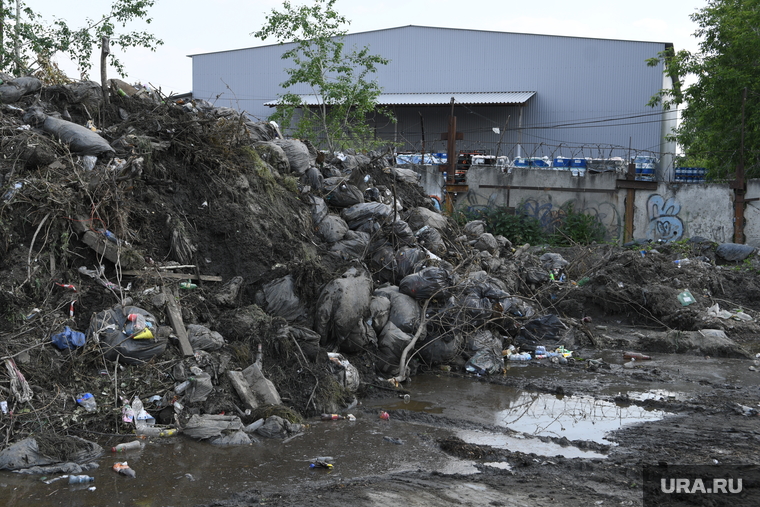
{"points": [[242, 388], [105, 248], [178, 276], [636, 184], [175, 319]]}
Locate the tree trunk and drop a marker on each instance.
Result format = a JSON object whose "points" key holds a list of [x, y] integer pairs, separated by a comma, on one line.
{"points": [[105, 50]]}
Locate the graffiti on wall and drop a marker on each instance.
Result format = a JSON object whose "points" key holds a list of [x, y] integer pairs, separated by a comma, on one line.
{"points": [[550, 214], [664, 224]]}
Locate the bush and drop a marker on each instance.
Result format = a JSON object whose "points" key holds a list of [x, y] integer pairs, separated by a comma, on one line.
{"points": [[577, 228], [500, 220], [569, 228]]}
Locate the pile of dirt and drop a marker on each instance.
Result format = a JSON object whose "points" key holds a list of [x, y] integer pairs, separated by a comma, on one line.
{"points": [[199, 217]]}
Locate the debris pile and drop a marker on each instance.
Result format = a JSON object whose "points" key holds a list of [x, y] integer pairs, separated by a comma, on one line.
{"points": [[193, 271]]}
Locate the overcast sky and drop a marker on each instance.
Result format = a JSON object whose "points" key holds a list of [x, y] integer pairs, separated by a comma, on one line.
{"points": [[201, 26]]}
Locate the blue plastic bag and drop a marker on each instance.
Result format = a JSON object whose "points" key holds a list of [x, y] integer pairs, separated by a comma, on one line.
{"points": [[68, 339]]}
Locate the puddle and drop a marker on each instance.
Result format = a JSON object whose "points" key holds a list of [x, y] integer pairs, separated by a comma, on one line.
{"points": [[574, 417], [196, 472], [534, 414], [526, 445]]}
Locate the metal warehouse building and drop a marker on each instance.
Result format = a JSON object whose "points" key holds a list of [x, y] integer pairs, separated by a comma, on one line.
{"points": [[519, 95]]}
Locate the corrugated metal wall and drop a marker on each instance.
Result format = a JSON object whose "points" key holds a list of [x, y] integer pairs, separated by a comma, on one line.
{"points": [[590, 100]]}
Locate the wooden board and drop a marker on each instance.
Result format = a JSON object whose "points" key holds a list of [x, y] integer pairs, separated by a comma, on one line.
{"points": [[178, 276], [175, 319]]}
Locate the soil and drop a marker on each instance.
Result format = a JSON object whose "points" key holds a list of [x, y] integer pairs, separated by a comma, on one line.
{"points": [[192, 186]]}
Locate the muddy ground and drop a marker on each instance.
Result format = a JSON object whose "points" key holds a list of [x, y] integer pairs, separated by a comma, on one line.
{"points": [[196, 186]]}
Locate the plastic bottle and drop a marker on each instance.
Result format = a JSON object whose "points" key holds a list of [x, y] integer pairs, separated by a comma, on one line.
{"points": [[79, 479], [187, 285], [138, 321], [137, 407], [184, 385], [331, 417], [168, 433], [127, 446], [87, 400], [127, 414]]}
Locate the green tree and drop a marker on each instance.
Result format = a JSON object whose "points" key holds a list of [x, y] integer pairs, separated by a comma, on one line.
{"points": [[27, 42], [727, 63], [339, 79]]}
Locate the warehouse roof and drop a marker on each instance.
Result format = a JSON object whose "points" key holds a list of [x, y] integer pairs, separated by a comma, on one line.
{"points": [[434, 99]]}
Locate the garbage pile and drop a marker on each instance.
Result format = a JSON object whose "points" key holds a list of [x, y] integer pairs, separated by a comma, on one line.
{"points": [[180, 268]]}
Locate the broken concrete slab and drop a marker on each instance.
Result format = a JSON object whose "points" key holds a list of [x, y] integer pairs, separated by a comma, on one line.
{"points": [[262, 387], [243, 389]]}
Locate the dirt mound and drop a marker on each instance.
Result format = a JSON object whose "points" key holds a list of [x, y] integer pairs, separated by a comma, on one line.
{"points": [[196, 208]]}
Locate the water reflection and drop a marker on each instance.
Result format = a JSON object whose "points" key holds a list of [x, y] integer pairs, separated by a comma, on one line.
{"points": [[574, 417]]}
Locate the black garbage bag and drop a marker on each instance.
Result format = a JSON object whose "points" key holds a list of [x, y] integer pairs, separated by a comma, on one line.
{"points": [[380, 311], [112, 329], [314, 179], [297, 153], [483, 339], [427, 283], [81, 140], [383, 263], [391, 345], [48, 450], [407, 259], [547, 329], [482, 302], [203, 338], [439, 347], [485, 362], [318, 207], [332, 228], [404, 313], [402, 234], [366, 217], [342, 194], [354, 245], [342, 312], [279, 298], [11, 91], [734, 252], [431, 239]]}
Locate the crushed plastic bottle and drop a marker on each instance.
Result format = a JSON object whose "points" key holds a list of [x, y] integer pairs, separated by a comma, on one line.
{"points": [[80, 479], [87, 400]]}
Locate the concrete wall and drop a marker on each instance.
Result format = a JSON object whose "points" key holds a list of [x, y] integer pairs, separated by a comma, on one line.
{"points": [[672, 211], [679, 211], [752, 214]]}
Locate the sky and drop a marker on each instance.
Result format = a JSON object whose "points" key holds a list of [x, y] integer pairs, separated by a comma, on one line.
{"points": [[202, 26]]}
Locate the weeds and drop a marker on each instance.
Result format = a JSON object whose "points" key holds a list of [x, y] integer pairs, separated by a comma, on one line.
{"points": [[569, 228]]}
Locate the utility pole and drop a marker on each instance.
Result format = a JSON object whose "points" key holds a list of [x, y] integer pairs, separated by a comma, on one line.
{"points": [[451, 145], [740, 185]]}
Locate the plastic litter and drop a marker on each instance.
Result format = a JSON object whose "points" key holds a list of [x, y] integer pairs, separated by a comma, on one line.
{"points": [[68, 339], [87, 400], [124, 469]]}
